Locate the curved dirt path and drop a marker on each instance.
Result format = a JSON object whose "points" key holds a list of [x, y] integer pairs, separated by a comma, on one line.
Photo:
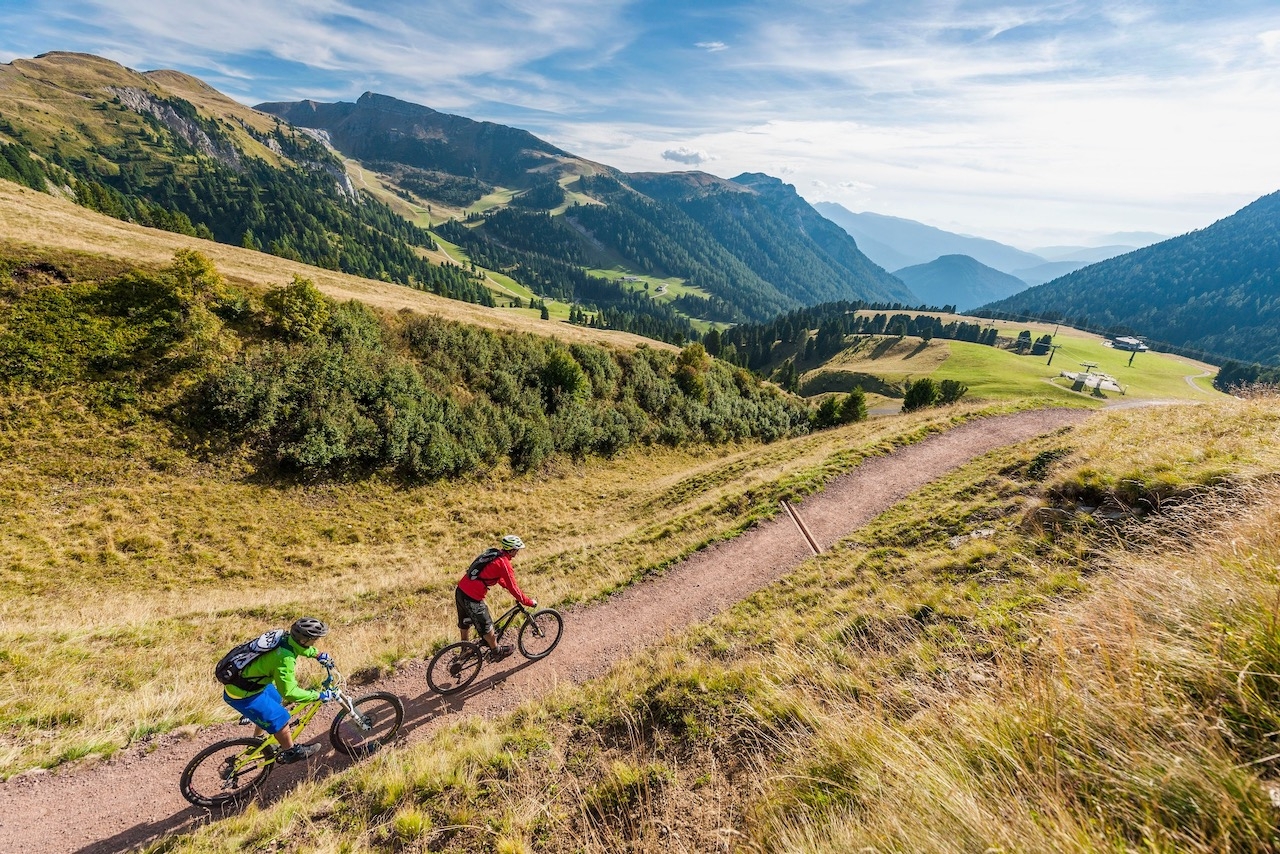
{"points": [[133, 798]]}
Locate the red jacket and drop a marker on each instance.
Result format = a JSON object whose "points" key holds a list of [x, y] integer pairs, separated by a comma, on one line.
{"points": [[497, 571]]}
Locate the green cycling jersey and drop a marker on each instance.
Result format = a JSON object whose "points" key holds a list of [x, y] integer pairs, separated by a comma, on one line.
{"points": [[278, 666]]}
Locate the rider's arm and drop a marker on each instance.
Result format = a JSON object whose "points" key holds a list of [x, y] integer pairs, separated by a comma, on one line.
{"points": [[286, 680], [507, 578]]}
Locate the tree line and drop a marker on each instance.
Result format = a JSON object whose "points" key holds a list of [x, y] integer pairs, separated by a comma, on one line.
{"points": [[819, 332]]}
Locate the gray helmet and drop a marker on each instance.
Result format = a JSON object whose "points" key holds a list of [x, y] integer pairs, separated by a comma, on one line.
{"points": [[308, 629], [512, 543]]}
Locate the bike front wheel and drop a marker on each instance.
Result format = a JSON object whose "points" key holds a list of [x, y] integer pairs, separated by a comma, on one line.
{"points": [[454, 667], [540, 633], [376, 721], [223, 774]]}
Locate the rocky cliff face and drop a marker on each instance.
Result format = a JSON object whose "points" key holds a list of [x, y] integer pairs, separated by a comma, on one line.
{"points": [[142, 101]]}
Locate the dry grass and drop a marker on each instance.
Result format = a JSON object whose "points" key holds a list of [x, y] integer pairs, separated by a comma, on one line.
{"points": [[1027, 690], [130, 566]]}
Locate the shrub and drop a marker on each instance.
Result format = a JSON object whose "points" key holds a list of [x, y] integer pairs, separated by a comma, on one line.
{"points": [[949, 391], [298, 309], [853, 407], [919, 394]]}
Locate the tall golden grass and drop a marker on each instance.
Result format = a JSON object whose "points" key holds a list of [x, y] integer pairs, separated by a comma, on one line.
{"points": [[968, 673], [129, 567]]}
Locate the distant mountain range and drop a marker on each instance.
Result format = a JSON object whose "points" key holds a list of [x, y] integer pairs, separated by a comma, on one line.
{"points": [[166, 150], [752, 245], [894, 243], [1214, 291], [960, 281]]}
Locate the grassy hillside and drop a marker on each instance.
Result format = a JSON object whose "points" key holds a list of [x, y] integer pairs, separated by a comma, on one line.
{"points": [[169, 433], [38, 221], [880, 365], [141, 561], [1068, 646]]}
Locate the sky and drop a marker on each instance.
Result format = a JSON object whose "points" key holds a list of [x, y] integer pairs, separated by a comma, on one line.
{"points": [[1035, 124]]}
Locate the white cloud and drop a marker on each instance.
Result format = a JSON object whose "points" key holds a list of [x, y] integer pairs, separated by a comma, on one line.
{"points": [[712, 47], [688, 156]]}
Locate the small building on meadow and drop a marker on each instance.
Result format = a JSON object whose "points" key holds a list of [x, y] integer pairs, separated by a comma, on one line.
{"points": [[1124, 342]]}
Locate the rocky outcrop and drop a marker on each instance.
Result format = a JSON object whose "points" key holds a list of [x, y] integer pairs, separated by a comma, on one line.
{"points": [[142, 101]]}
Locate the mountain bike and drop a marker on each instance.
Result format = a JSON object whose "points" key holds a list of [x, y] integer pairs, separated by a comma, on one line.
{"points": [[232, 771], [458, 664]]}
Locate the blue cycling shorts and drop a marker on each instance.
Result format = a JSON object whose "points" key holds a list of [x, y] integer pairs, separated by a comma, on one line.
{"points": [[265, 709]]}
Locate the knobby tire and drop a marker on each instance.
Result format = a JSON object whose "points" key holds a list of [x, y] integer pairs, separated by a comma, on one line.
{"points": [[204, 781], [540, 634], [454, 667], [383, 714]]}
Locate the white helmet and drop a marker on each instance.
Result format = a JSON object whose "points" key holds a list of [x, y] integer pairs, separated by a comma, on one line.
{"points": [[512, 543]]}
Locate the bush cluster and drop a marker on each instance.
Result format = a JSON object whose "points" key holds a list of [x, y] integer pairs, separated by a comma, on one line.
{"points": [[324, 390], [926, 392], [422, 397]]}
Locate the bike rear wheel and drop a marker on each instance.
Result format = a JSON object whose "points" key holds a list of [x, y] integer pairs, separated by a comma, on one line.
{"points": [[540, 633], [454, 667], [377, 720], [218, 775]]}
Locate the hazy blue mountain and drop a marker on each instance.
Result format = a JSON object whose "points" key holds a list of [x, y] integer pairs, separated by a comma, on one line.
{"points": [[1216, 290], [960, 281], [1048, 271], [1083, 254], [894, 243]]}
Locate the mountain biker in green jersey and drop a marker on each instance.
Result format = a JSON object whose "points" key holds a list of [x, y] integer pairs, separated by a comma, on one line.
{"points": [[274, 670]]}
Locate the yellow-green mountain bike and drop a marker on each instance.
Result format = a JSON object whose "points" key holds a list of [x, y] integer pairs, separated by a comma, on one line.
{"points": [[230, 772]]}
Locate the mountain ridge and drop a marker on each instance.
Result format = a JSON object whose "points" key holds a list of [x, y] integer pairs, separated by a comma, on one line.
{"points": [[1212, 290], [959, 280], [912, 242]]}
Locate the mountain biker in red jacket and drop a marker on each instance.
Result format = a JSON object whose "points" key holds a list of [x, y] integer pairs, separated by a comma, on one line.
{"points": [[492, 567]]}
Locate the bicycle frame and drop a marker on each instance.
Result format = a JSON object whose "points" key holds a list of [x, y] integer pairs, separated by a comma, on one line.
{"points": [[504, 622], [298, 722]]}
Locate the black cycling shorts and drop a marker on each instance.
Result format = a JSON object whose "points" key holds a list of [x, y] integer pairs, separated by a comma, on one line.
{"points": [[472, 614]]}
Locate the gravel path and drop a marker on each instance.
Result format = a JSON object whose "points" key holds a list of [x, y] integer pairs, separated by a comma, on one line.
{"points": [[133, 798]]}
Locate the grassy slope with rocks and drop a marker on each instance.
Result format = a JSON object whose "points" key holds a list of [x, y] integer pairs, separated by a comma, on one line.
{"points": [[1068, 647]]}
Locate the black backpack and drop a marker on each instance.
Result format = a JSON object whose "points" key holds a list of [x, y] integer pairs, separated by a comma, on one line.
{"points": [[477, 565], [230, 670]]}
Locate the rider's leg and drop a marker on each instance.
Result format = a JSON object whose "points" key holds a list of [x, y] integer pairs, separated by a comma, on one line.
{"points": [[284, 737]]}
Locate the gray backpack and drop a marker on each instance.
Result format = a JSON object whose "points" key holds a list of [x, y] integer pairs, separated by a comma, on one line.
{"points": [[230, 669]]}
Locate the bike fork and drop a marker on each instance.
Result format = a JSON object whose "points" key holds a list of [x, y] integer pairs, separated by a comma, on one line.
{"points": [[360, 720]]}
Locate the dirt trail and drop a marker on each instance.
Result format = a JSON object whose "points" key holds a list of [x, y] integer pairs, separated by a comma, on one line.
{"points": [[133, 798]]}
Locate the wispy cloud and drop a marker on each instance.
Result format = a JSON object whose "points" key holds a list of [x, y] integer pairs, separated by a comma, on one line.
{"points": [[712, 47]]}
